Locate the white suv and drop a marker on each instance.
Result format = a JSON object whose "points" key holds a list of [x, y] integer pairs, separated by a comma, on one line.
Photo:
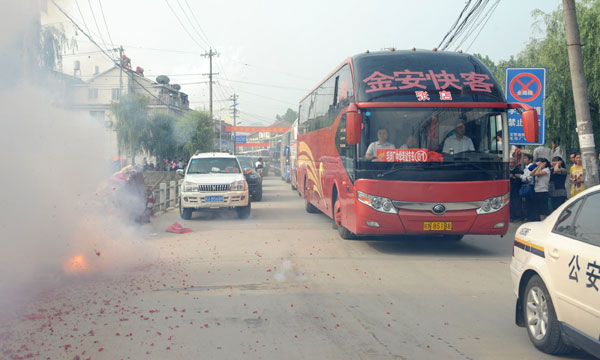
{"points": [[214, 181]]}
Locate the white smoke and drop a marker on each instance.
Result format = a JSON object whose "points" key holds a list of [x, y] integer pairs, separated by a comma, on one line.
{"points": [[54, 171]]}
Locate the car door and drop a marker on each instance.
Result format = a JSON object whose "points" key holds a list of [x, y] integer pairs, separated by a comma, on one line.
{"points": [[574, 264]]}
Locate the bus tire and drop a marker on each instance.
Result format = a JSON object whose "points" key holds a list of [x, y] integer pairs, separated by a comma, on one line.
{"points": [[337, 219]]}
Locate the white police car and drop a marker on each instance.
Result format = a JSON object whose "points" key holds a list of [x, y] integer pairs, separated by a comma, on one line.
{"points": [[214, 181], [555, 271]]}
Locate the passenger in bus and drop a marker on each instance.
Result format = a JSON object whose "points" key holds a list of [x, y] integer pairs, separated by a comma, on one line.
{"points": [[411, 143], [458, 142], [381, 143]]}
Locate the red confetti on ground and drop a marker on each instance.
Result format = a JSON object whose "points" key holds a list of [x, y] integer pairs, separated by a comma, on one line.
{"points": [[118, 334], [101, 310], [91, 333], [97, 252], [123, 319], [337, 325], [428, 346], [67, 346], [291, 305], [101, 349], [34, 316], [389, 324], [206, 310], [168, 348]]}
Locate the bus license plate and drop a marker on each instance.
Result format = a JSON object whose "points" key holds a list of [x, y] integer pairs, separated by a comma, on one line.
{"points": [[437, 226], [214, 199]]}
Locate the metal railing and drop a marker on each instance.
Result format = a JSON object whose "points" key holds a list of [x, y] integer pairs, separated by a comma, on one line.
{"points": [[166, 195]]}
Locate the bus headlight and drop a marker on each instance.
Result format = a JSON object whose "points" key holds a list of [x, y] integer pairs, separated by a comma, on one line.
{"points": [[378, 203], [493, 204]]}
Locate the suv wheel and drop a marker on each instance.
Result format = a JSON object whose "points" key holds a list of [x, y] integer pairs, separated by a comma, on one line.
{"points": [[257, 196], [243, 211], [540, 318], [185, 213]]}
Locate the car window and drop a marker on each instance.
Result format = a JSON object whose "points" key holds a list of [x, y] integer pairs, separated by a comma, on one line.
{"points": [[586, 224], [564, 224]]}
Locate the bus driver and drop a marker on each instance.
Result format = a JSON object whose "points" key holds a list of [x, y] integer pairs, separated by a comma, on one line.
{"points": [[381, 143], [458, 142]]}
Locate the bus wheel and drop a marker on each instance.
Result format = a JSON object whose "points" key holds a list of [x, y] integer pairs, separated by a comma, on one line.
{"points": [[337, 216]]}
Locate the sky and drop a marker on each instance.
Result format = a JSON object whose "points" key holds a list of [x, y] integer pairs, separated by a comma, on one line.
{"points": [[272, 52]]}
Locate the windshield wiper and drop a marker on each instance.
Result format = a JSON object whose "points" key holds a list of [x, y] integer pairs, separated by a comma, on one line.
{"points": [[391, 171]]}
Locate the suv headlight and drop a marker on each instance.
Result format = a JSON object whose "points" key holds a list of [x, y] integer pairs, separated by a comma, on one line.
{"points": [[238, 185], [493, 204], [378, 203], [190, 186]]}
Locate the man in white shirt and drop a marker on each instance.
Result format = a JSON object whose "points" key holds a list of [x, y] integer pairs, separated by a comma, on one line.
{"points": [[542, 152], [381, 143], [458, 142]]}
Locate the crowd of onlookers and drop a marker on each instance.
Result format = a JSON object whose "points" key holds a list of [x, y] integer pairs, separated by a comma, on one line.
{"points": [[165, 165], [543, 180]]}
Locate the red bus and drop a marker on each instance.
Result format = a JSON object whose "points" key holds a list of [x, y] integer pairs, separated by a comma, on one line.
{"points": [[408, 142]]}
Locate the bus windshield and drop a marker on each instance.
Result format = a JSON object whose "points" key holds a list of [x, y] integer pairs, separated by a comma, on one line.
{"points": [[452, 138]]}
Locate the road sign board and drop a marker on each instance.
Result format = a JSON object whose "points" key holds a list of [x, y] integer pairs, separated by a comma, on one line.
{"points": [[526, 86], [240, 139]]}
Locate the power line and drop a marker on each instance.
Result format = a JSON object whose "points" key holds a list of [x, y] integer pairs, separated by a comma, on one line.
{"points": [[82, 18], [455, 23], [265, 97], [183, 26], [105, 24], [197, 23], [96, 22], [486, 20], [473, 24], [462, 24], [190, 21]]}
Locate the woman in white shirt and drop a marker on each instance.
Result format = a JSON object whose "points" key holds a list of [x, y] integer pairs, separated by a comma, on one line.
{"points": [[542, 182]]}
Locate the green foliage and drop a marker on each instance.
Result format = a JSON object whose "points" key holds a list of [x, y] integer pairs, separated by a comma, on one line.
{"points": [[289, 117], [159, 136], [551, 52], [53, 44], [131, 113], [194, 132]]}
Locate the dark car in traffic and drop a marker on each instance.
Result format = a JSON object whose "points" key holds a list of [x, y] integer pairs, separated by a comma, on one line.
{"points": [[253, 179]]}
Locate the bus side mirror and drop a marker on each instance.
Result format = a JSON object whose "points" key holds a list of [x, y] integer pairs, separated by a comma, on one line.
{"points": [[353, 125], [531, 125]]}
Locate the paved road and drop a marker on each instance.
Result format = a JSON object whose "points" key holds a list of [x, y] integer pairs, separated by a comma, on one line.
{"points": [[280, 284]]}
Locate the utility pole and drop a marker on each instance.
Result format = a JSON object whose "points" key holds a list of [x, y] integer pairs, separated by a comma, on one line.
{"points": [[210, 55], [121, 73], [580, 96], [235, 104]]}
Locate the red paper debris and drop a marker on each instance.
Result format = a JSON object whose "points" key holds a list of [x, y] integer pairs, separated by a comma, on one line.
{"points": [[178, 229]]}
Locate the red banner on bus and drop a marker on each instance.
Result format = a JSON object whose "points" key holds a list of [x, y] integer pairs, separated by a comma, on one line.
{"points": [[408, 155], [255, 129]]}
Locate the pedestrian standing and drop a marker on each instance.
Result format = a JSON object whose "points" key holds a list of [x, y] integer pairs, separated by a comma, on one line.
{"points": [[576, 176], [516, 203], [517, 155], [541, 174], [526, 179], [556, 149], [542, 152], [558, 176]]}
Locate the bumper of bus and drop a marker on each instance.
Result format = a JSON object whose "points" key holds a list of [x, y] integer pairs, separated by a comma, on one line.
{"points": [[372, 222]]}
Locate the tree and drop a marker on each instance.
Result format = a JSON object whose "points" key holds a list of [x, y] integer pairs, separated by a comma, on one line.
{"points": [[289, 117], [53, 44], [194, 132], [131, 113], [159, 136], [551, 52]]}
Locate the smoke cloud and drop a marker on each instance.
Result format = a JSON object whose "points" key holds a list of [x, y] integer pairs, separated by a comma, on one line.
{"points": [[55, 190]]}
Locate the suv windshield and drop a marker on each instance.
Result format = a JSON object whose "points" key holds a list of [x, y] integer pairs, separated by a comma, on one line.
{"points": [[246, 162], [213, 165]]}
